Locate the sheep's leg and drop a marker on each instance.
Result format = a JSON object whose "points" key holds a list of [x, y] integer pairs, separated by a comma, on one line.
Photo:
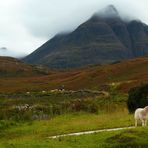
{"points": [[143, 122], [136, 122]]}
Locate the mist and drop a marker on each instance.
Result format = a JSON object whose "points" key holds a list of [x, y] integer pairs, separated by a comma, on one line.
{"points": [[66, 15], [11, 53]]}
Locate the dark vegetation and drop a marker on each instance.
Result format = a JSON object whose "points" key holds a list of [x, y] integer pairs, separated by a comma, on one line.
{"points": [[138, 97]]}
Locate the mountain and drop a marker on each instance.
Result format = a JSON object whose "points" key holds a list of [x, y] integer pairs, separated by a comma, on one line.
{"points": [[11, 67], [104, 38]]}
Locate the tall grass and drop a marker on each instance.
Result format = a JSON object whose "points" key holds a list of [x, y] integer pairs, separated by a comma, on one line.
{"points": [[45, 106]]}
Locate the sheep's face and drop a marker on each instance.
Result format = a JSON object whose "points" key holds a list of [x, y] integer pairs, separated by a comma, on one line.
{"points": [[146, 108]]}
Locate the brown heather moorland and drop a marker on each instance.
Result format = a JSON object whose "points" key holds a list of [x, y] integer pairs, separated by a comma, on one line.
{"points": [[20, 77]]}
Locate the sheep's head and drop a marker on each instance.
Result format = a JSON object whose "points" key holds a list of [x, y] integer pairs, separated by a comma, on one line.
{"points": [[146, 108]]}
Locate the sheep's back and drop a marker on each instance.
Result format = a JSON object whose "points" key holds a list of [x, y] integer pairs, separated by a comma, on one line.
{"points": [[144, 114], [138, 113]]}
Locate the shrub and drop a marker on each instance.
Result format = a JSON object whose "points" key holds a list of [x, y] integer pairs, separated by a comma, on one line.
{"points": [[138, 97]]}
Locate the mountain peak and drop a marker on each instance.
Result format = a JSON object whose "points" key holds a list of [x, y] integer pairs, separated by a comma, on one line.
{"points": [[111, 9], [108, 12]]}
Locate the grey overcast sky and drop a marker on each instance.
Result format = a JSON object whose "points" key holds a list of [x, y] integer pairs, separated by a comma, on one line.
{"points": [[27, 24]]}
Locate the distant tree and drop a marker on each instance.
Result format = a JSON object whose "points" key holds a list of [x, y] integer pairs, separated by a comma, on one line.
{"points": [[138, 97]]}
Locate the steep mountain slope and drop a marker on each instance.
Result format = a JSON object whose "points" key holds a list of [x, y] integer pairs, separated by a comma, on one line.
{"points": [[12, 67], [104, 38]]}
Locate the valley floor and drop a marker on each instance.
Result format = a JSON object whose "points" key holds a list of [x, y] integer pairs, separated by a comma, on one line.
{"points": [[36, 133], [67, 112]]}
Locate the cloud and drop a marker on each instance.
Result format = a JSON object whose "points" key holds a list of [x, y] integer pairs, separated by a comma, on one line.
{"points": [[49, 17], [27, 24], [13, 34]]}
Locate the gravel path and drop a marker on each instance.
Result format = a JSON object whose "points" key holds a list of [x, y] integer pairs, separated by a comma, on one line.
{"points": [[90, 132]]}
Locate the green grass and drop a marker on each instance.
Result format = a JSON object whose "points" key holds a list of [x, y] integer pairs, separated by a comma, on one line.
{"points": [[111, 113], [135, 138], [127, 138], [39, 130]]}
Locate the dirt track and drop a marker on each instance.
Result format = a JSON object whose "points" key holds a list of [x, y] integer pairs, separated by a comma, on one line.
{"points": [[90, 132]]}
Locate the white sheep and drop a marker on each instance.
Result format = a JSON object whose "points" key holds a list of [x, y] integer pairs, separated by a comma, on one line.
{"points": [[142, 115], [54, 90]]}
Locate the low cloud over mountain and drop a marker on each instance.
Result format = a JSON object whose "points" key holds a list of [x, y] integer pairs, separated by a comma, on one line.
{"points": [[102, 39]]}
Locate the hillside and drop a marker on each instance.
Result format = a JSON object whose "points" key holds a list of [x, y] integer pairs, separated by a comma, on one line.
{"points": [[104, 38], [122, 75], [11, 67]]}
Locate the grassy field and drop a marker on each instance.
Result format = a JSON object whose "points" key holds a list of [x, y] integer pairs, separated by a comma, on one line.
{"points": [[71, 112], [128, 138], [30, 111], [12, 132], [36, 133]]}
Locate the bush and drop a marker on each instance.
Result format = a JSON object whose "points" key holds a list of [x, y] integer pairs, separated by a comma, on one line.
{"points": [[138, 97]]}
